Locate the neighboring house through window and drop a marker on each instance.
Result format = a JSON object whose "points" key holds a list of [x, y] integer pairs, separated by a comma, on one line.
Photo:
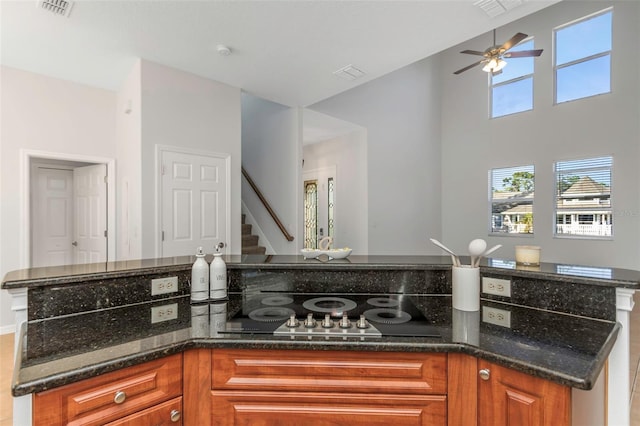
{"points": [[512, 89], [511, 198], [583, 57], [583, 198]]}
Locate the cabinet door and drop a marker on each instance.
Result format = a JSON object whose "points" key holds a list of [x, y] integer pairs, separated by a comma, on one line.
{"points": [[110, 396], [166, 414], [510, 398], [235, 408]]}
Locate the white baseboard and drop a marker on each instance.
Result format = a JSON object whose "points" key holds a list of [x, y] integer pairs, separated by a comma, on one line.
{"points": [[6, 329]]}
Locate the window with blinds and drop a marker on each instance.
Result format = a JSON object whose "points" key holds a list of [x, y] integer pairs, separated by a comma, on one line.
{"points": [[583, 198], [511, 199]]}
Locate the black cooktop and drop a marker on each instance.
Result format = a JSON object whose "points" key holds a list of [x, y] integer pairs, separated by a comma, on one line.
{"points": [[392, 315]]}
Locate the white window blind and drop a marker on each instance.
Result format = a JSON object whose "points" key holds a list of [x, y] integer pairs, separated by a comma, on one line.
{"points": [[583, 198]]}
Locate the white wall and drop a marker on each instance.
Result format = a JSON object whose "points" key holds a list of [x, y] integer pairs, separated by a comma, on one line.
{"points": [[401, 112], [348, 153], [602, 125], [271, 154], [182, 109], [129, 177], [48, 115]]}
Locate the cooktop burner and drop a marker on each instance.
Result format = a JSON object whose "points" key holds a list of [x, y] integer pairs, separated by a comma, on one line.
{"points": [[341, 315]]}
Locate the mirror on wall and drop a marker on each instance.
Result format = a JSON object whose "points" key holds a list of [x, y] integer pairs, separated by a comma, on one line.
{"points": [[334, 182]]}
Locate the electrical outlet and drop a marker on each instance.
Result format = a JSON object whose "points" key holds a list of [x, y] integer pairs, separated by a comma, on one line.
{"points": [[496, 316], [496, 286], [164, 313], [164, 285]]}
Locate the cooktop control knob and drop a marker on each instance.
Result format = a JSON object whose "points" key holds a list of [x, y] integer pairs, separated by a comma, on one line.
{"points": [[310, 322], [362, 322], [292, 322], [327, 322], [344, 322]]}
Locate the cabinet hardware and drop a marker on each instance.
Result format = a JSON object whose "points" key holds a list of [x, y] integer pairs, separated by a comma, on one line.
{"points": [[119, 397], [485, 374], [175, 415]]}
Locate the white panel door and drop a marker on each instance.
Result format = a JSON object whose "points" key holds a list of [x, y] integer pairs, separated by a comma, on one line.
{"points": [[194, 203], [52, 216], [90, 200]]}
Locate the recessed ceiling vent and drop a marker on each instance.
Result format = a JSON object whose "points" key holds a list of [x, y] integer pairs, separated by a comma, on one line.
{"points": [[349, 72], [494, 8], [59, 7]]}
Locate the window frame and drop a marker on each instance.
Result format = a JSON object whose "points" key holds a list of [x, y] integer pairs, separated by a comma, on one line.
{"points": [[523, 168], [556, 197], [582, 60], [513, 80]]}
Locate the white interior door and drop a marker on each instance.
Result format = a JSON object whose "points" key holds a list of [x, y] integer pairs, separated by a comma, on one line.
{"points": [[52, 216], [90, 201], [194, 203]]}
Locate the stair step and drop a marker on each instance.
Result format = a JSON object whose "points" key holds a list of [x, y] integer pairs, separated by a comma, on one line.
{"points": [[246, 229], [249, 240], [253, 250]]}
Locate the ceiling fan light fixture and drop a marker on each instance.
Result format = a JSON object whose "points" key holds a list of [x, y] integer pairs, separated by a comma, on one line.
{"points": [[494, 65]]}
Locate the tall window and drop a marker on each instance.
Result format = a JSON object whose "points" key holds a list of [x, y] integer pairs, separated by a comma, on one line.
{"points": [[512, 90], [311, 214], [583, 57], [511, 199], [583, 198]]}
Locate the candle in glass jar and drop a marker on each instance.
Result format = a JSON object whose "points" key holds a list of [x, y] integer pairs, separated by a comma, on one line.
{"points": [[528, 255]]}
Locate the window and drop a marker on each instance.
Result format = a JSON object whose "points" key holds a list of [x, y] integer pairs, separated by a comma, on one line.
{"points": [[512, 89], [511, 199], [583, 57], [583, 198]]}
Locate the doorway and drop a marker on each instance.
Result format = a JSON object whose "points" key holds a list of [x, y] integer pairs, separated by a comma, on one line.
{"points": [[319, 205], [68, 211]]}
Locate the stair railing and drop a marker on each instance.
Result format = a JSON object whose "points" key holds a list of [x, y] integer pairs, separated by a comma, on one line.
{"points": [[266, 205]]}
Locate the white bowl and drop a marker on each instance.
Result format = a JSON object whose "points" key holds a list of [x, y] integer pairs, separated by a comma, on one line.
{"points": [[337, 253], [310, 253]]}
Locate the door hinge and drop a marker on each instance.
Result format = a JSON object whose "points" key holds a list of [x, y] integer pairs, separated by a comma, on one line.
{"points": [[162, 235], [105, 233], [162, 170], [105, 179]]}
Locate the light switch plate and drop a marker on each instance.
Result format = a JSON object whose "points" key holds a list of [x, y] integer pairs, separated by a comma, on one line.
{"points": [[164, 313], [496, 286], [164, 285], [495, 316]]}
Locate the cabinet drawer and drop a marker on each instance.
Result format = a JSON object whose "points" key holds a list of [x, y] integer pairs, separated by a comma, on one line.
{"points": [[315, 408], [110, 396], [326, 371], [166, 414]]}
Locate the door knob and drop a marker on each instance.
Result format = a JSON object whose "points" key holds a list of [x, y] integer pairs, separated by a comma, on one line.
{"points": [[75, 244], [485, 374]]}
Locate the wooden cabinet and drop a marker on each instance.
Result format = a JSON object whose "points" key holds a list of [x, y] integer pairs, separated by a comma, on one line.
{"points": [[510, 398], [116, 395], [328, 387]]}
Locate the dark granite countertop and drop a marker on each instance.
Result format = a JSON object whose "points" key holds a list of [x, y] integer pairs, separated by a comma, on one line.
{"points": [[38, 277], [567, 349]]}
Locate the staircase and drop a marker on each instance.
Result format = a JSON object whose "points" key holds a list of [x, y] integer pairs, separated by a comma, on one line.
{"points": [[249, 241]]}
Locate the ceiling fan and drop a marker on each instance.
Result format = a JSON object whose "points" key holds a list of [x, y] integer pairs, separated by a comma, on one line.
{"points": [[494, 56]]}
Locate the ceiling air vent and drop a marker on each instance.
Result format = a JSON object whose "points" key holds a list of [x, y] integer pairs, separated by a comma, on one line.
{"points": [[349, 72], [59, 7], [494, 8]]}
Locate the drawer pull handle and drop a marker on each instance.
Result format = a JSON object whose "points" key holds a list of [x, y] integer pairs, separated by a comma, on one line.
{"points": [[120, 397], [175, 415], [485, 374]]}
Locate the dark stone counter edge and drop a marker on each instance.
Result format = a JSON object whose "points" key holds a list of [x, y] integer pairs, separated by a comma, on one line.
{"points": [[13, 280], [89, 371]]}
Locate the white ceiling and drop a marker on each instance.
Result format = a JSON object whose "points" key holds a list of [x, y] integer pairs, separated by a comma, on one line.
{"points": [[285, 51]]}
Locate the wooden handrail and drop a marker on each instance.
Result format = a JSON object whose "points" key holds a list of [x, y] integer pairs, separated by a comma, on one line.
{"points": [[266, 205]]}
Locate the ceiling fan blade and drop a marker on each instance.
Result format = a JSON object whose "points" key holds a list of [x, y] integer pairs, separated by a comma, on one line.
{"points": [[513, 41], [472, 52], [468, 67], [523, 53]]}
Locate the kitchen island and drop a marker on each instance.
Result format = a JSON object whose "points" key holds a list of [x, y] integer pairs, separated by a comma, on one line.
{"points": [[98, 320]]}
